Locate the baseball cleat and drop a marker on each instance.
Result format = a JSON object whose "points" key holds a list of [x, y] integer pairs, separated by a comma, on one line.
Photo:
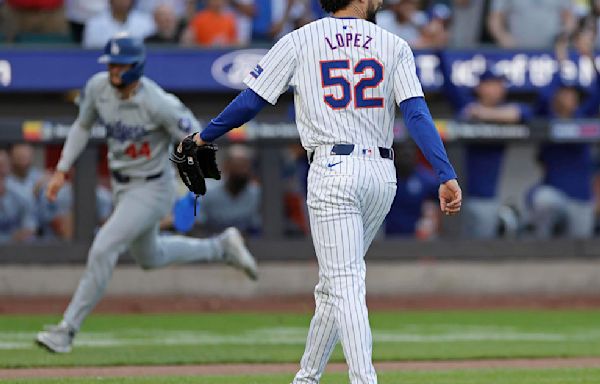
{"points": [[236, 253], [56, 338]]}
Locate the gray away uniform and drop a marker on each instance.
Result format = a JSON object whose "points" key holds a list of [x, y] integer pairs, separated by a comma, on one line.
{"points": [[140, 131]]}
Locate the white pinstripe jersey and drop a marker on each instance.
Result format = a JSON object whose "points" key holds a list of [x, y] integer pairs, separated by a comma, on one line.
{"points": [[346, 75]]}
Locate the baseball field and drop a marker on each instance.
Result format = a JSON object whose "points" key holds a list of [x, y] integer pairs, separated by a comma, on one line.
{"points": [[415, 347]]}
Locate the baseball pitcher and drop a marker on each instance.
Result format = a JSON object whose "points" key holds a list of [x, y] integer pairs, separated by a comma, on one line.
{"points": [[347, 76]]}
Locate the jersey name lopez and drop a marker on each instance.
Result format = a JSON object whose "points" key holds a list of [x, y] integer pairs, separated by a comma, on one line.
{"points": [[349, 40]]}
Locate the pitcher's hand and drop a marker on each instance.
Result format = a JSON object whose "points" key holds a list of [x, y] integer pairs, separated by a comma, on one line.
{"points": [[450, 197], [57, 181]]}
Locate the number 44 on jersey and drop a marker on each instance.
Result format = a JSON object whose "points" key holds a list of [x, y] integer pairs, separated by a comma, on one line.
{"points": [[135, 152]]}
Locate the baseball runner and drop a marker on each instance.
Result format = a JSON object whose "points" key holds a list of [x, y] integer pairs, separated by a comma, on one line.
{"points": [[346, 74], [142, 120]]}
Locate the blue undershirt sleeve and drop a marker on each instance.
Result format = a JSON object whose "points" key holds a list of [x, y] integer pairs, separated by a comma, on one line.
{"points": [[241, 110], [420, 125]]}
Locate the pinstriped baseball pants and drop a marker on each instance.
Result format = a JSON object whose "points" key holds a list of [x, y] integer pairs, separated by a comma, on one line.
{"points": [[348, 199]]}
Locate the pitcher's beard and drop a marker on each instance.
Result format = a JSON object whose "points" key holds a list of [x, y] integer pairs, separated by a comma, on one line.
{"points": [[372, 13], [372, 17]]}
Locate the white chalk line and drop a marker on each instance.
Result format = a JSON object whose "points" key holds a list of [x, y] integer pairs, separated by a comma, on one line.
{"points": [[294, 336]]}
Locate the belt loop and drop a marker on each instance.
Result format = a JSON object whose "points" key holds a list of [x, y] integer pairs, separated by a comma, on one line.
{"points": [[386, 153]]}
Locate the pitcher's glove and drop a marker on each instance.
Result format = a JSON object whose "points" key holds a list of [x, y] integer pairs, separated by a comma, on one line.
{"points": [[195, 164]]}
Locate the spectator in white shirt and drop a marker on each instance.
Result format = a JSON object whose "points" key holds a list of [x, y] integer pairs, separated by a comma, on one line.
{"points": [[530, 23], [120, 18], [179, 6], [78, 12], [169, 27], [404, 19], [244, 12]]}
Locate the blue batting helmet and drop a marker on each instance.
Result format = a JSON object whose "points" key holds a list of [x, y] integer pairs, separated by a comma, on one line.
{"points": [[123, 49]]}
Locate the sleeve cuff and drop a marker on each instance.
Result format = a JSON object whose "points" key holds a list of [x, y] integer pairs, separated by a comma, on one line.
{"points": [[447, 177], [249, 81], [411, 96], [62, 167]]}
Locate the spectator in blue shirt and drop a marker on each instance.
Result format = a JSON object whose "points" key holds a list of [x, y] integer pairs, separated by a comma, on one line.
{"points": [[562, 201], [17, 214], [416, 185], [483, 162], [23, 172]]}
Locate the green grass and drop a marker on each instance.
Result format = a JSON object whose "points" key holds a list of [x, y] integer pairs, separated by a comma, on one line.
{"points": [[512, 376], [265, 337]]}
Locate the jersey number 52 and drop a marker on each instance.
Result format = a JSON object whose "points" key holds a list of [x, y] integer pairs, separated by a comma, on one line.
{"points": [[360, 100]]}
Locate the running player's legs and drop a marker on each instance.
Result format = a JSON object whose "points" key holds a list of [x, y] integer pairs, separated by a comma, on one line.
{"points": [[133, 215], [153, 251]]}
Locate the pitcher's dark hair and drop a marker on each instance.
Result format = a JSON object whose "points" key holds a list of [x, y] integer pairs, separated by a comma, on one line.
{"points": [[333, 6]]}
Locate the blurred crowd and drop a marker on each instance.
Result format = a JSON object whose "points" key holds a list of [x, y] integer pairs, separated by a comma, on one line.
{"points": [[25, 213], [209, 23], [221, 23], [563, 202]]}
